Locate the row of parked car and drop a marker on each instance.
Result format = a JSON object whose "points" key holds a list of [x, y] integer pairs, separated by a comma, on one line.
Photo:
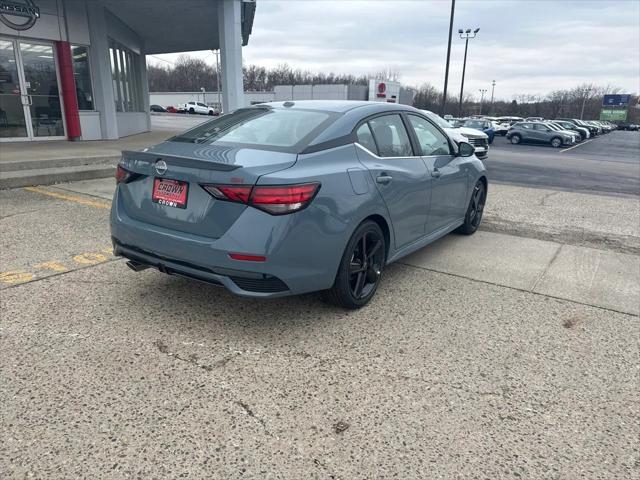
{"points": [[557, 133]]}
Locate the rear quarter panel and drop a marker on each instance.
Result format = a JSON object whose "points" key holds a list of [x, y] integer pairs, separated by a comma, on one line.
{"points": [[317, 236]]}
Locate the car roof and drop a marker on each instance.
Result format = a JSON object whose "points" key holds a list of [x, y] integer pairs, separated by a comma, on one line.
{"points": [[349, 113]]}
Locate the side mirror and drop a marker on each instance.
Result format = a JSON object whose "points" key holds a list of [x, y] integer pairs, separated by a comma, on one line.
{"points": [[465, 149]]}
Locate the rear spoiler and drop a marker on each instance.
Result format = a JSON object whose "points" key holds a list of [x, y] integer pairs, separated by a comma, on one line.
{"points": [[209, 159]]}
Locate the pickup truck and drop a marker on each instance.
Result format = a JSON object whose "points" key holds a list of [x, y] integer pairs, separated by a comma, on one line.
{"points": [[197, 107]]}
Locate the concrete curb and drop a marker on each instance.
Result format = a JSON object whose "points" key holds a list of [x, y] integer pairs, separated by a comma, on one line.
{"points": [[49, 176], [18, 165]]}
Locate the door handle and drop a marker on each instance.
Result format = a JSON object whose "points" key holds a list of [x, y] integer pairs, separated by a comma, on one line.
{"points": [[436, 173], [384, 178]]}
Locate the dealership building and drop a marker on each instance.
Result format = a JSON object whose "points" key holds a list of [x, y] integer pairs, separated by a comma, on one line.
{"points": [[76, 69]]}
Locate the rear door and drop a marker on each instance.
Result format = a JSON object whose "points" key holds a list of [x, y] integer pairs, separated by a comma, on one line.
{"points": [[449, 179], [400, 174]]}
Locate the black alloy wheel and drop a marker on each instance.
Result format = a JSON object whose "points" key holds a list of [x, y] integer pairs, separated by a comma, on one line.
{"points": [[361, 267], [474, 212]]}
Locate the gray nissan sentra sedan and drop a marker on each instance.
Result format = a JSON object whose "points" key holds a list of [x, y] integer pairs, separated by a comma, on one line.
{"points": [[287, 198]]}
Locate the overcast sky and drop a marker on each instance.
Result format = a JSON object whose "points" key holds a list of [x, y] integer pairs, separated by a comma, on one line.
{"points": [[527, 46]]}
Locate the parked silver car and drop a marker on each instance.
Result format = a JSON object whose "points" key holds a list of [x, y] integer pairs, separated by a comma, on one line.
{"points": [[537, 132]]}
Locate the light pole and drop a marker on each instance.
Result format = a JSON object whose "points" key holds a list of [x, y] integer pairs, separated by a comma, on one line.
{"points": [[446, 70], [202, 89], [217, 54], [482, 92], [466, 35], [584, 100], [493, 87]]}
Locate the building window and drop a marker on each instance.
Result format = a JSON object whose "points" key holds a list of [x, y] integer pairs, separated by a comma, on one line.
{"points": [[82, 76], [125, 72]]}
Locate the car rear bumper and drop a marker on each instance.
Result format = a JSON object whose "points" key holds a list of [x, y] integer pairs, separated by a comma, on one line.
{"points": [[299, 257], [237, 281]]}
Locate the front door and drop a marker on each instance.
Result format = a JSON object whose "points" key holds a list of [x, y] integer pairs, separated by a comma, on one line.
{"points": [[30, 103], [448, 175]]}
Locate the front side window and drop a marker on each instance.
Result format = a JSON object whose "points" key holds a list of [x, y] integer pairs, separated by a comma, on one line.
{"points": [[391, 136], [270, 128], [540, 127], [431, 140], [82, 77]]}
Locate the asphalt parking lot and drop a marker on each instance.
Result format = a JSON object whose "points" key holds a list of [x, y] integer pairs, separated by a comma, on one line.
{"points": [[508, 354], [607, 164]]}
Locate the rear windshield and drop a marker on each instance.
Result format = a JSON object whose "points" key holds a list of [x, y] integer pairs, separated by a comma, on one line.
{"points": [[474, 124], [265, 128]]}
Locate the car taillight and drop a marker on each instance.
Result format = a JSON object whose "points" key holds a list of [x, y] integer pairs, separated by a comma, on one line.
{"points": [[124, 176], [273, 199], [232, 193], [278, 200]]}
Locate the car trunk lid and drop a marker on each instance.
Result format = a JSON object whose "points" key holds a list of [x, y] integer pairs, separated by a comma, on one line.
{"points": [[189, 166]]}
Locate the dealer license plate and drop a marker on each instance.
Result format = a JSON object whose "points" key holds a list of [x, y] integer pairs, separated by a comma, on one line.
{"points": [[172, 193]]}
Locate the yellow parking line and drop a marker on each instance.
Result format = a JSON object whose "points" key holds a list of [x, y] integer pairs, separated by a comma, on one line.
{"points": [[69, 198], [55, 267]]}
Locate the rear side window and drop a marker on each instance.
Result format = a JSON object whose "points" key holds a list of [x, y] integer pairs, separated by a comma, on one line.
{"points": [[365, 138], [431, 141], [391, 136], [270, 128]]}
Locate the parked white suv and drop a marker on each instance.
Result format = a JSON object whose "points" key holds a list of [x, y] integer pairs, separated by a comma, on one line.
{"points": [[197, 107], [478, 139]]}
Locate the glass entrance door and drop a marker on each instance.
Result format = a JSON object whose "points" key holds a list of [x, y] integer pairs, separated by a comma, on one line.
{"points": [[41, 85], [12, 98], [30, 103]]}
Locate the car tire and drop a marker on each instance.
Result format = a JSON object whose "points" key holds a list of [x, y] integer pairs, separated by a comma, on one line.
{"points": [[556, 142], [473, 217], [515, 139], [360, 269], [210, 113], [192, 111]]}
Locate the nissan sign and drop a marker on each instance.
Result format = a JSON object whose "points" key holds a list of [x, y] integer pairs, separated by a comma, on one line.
{"points": [[19, 14]]}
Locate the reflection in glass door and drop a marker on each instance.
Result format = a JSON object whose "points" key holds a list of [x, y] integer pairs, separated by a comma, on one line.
{"points": [[12, 98], [30, 103], [41, 85]]}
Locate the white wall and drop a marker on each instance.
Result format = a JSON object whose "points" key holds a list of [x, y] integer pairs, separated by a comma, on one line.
{"points": [[130, 123], [316, 92], [90, 125]]}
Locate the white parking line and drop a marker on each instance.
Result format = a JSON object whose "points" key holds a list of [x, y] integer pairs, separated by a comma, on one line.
{"points": [[575, 146]]}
